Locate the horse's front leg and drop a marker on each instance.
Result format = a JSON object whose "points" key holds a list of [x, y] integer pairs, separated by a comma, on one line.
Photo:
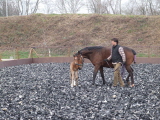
{"points": [[96, 68], [102, 75]]}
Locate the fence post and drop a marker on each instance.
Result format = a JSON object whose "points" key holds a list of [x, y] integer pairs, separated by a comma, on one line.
{"points": [[49, 52], [17, 53], [148, 51], [0, 57], [69, 52]]}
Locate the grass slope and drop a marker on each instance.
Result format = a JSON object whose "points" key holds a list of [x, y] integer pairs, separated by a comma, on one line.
{"points": [[71, 30]]}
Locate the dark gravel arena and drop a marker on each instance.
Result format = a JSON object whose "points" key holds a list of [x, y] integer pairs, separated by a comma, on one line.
{"points": [[43, 92]]}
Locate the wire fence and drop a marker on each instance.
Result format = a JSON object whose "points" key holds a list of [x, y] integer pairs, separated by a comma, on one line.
{"points": [[35, 52]]}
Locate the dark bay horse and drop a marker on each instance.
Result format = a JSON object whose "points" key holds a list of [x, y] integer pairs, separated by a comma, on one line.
{"points": [[97, 54]]}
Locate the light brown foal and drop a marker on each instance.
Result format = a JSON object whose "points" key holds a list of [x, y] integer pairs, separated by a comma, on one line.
{"points": [[74, 67]]}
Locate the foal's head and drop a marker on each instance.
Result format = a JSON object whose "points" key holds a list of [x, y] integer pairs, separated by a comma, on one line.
{"points": [[78, 60]]}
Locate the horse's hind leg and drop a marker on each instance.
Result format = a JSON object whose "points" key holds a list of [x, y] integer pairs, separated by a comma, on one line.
{"points": [[127, 79], [132, 79], [102, 75], [130, 71]]}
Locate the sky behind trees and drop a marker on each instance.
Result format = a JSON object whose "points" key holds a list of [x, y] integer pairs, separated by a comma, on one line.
{"points": [[125, 7]]}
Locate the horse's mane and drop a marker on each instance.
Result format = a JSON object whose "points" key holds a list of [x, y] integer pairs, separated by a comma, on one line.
{"points": [[91, 48]]}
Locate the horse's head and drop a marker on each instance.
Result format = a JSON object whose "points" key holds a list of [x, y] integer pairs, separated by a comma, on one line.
{"points": [[78, 59]]}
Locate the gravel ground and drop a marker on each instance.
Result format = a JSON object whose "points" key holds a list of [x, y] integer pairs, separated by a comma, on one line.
{"points": [[43, 92]]}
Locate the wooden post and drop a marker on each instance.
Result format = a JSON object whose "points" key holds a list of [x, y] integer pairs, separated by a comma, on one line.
{"points": [[36, 53], [31, 53], [0, 57], [148, 51], [49, 52], [69, 52], [17, 53]]}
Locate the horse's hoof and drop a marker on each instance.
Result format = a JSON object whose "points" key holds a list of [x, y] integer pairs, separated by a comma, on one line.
{"points": [[94, 85], [129, 83], [132, 85]]}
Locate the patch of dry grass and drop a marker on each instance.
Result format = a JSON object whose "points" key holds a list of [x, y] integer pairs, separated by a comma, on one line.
{"points": [[78, 30]]}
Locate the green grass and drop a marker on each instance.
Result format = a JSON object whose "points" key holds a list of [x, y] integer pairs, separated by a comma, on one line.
{"points": [[130, 31], [140, 39], [7, 54], [16, 55], [142, 55], [146, 55], [25, 54]]}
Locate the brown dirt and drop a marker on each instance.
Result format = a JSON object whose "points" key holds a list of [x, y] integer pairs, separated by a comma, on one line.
{"points": [[78, 30]]}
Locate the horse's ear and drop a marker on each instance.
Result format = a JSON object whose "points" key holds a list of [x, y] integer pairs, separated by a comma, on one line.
{"points": [[79, 52]]}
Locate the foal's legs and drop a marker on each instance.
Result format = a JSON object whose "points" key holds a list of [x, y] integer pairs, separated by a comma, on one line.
{"points": [[72, 78], [96, 68], [102, 75], [76, 78]]}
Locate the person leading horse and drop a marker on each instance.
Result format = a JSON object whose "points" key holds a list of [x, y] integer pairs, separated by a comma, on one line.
{"points": [[97, 54], [118, 58]]}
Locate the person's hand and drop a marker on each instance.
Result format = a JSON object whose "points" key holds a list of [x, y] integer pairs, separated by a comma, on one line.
{"points": [[106, 60]]}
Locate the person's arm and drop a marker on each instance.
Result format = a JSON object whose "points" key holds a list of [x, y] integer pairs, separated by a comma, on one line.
{"points": [[121, 52], [109, 58]]}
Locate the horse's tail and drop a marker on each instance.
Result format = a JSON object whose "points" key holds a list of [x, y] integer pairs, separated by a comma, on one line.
{"points": [[134, 53]]}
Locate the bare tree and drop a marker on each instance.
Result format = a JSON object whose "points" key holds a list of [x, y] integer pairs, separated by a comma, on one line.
{"points": [[68, 6], [95, 6], [12, 8], [115, 6], [2, 8], [35, 6], [105, 6], [61, 6], [27, 7], [9, 7], [143, 7], [48, 6], [129, 8], [74, 5], [154, 7]]}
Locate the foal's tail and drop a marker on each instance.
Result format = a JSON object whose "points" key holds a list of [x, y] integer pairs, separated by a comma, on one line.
{"points": [[134, 53]]}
